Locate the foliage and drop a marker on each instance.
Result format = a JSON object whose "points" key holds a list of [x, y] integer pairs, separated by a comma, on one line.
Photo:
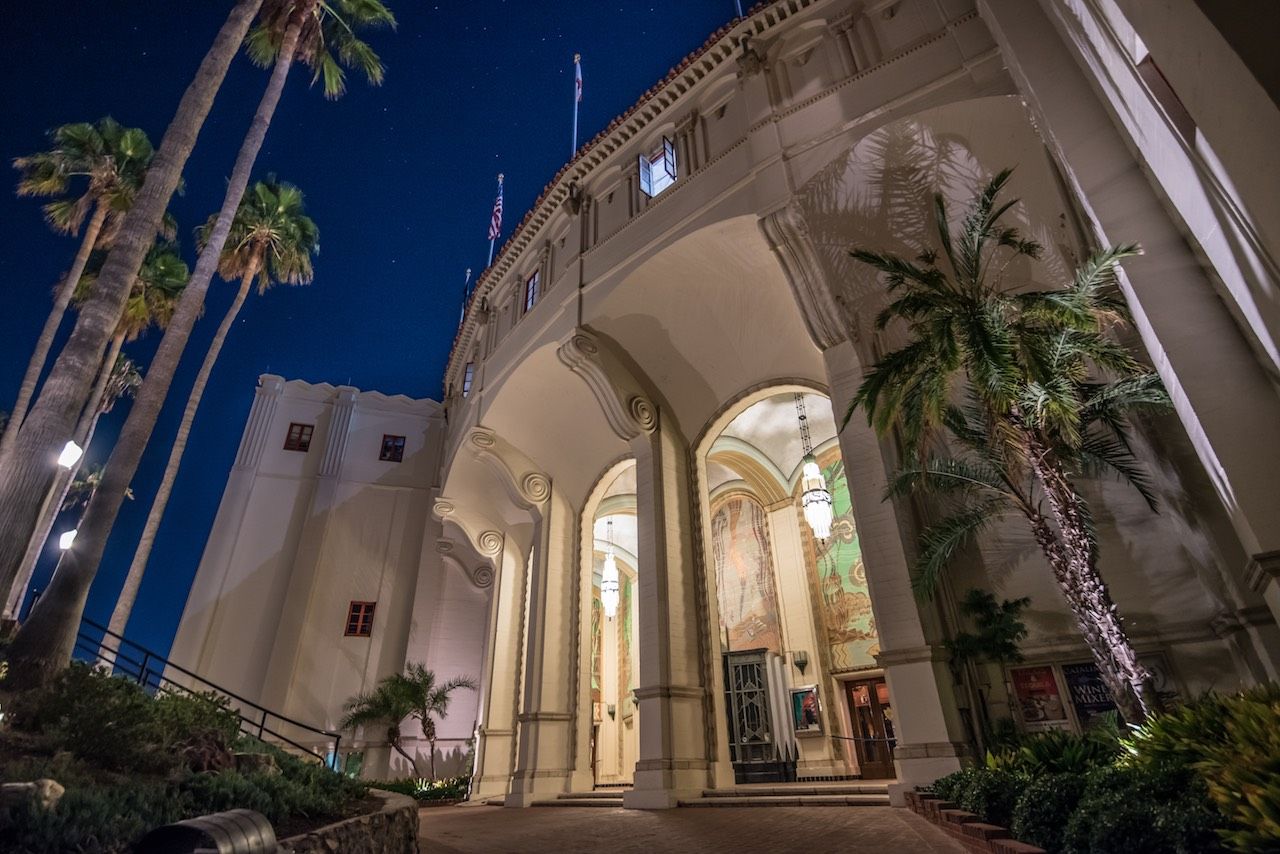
{"points": [[102, 819], [1234, 742], [1143, 811], [271, 239], [993, 795], [999, 629], [156, 289], [328, 43], [1041, 814], [447, 789], [1058, 752], [949, 787], [413, 693]]}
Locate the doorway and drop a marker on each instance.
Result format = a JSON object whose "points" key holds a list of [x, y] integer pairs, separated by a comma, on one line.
{"points": [[872, 717]]}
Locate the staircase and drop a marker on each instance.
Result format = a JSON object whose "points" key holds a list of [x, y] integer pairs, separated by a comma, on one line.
{"points": [[859, 794], [609, 798]]}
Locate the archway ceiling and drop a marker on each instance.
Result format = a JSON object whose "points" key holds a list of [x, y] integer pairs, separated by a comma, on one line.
{"points": [[706, 318]]}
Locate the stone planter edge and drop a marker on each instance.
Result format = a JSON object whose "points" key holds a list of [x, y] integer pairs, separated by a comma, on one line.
{"points": [[965, 827], [393, 829]]}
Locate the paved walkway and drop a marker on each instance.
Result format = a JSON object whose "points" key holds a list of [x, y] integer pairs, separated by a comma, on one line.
{"points": [[567, 830]]}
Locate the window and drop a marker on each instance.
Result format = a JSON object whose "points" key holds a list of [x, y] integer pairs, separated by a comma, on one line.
{"points": [[468, 374], [531, 290], [360, 619], [392, 449], [658, 170], [1167, 98], [299, 438]]}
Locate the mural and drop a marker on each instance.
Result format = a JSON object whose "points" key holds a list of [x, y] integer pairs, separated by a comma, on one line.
{"points": [[744, 576], [597, 644], [626, 629], [841, 578]]}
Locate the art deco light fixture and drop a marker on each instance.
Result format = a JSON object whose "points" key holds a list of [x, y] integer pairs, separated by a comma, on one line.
{"points": [[815, 498], [609, 578]]}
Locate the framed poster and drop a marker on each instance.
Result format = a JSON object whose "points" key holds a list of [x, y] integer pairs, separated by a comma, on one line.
{"points": [[1089, 694], [805, 714], [1038, 698]]}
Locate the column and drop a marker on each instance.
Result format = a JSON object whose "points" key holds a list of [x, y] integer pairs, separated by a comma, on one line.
{"points": [[930, 733], [1225, 399], [545, 744], [278, 684], [673, 760], [496, 729], [189, 645]]}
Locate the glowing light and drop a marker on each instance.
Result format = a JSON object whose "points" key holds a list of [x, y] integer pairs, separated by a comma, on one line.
{"points": [[71, 453], [816, 499], [67, 538], [609, 596]]}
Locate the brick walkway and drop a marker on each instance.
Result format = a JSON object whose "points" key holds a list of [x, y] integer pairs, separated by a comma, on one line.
{"points": [[564, 830]]}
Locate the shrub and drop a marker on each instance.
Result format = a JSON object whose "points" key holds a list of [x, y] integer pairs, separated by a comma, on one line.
{"points": [[993, 795], [181, 715], [1044, 807], [949, 787], [103, 820], [1143, 811], [448, 789], [1059, 752]]}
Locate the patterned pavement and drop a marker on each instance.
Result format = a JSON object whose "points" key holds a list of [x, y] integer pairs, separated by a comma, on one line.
{"points": [[567, 830]]}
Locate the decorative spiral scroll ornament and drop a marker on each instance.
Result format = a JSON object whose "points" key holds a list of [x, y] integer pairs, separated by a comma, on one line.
{"points": [[483, 576], [444, 508], [489, 542], [444, 546], [642, 411], [483, 440], [536, 487], [585, 344]]}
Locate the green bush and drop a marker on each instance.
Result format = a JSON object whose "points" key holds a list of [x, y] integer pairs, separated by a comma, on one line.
{"points": [[180, 715], [448, 789], [993, 795], [1059, 752], [1159, 810], [1044, 807], [102, 820], [949, 787]]}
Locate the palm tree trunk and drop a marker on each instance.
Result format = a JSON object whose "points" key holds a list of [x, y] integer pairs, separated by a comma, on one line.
{"points": [[44, 644], [62, 481], [1074, 563], [51, 324], [399, 748], [133, 580], [28, 470]]}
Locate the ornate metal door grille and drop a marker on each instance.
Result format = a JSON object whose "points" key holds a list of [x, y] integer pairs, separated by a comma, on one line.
{"points": [[747, 702]]}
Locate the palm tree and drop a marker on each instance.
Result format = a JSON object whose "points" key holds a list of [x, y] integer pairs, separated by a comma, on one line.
{"points": [[27, 471], [315, 32], [414, 694], [1044, 395], [111, 162], [272, 240], [155, 292]]}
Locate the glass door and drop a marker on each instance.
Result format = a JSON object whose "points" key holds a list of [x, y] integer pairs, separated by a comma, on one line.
{"points": [[872, 716]]}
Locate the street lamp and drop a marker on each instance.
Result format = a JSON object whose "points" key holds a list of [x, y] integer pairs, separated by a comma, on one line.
{"points": [[71, 454], [67, 538]]}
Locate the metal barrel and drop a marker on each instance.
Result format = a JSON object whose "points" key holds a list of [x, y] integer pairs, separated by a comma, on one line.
{"points": [[232, 832]]}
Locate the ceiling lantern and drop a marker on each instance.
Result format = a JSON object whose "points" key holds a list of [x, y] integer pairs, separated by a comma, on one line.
{"points": [[609, 596], [815, 498]]}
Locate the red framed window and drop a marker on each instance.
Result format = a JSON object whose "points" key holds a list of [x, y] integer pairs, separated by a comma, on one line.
{"points": [[392, 449], [360, 619], [299, 437]]}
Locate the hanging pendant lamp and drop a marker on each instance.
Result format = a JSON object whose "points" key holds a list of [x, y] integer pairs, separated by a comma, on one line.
{"points": [[815, 498], [609, 596]]}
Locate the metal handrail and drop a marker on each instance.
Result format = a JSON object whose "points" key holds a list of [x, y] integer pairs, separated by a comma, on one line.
{"points": [[150, 674]]}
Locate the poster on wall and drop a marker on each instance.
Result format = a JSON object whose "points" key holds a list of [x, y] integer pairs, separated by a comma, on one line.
{"points": [[1039, 701], [1089, 694], [804, 709]]}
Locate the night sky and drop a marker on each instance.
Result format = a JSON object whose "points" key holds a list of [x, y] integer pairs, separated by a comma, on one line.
{"points": [[400, 180]]}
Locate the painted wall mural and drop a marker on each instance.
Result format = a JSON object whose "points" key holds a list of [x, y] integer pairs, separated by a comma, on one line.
{"points": [[841, 578], [597, 644], [744, 576]]}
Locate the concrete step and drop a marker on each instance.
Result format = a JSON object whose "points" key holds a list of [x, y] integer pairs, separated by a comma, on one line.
{"points": [[611, 794], [569, 801], [794, 789], [791, 801]]}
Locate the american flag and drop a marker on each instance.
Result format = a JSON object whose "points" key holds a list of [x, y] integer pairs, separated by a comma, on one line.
{"points": [[577, 75], [495, 222]]}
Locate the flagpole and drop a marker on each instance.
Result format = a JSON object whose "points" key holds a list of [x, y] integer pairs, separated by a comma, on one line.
{"points": [[466, 284], [739, 4], [493, 232], [577, 96]]}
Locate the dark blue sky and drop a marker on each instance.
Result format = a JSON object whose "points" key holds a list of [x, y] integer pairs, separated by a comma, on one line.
{"points": [[400, 180]]}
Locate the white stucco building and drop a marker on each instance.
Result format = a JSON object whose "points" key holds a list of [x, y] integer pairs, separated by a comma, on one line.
{"points": [[627, 386]]}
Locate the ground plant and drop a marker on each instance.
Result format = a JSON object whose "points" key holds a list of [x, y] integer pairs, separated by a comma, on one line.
{"points": [[131, 762]]}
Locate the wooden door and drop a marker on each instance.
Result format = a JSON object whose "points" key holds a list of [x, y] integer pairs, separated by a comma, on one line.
{"points": [[872, 717]]}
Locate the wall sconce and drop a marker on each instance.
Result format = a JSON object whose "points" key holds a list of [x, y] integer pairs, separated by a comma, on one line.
{"points": [[801, 660], [613, 711]]}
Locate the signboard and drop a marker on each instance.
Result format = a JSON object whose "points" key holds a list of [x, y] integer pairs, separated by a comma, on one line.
{"points": [[1039, 700], [1089, 694]]}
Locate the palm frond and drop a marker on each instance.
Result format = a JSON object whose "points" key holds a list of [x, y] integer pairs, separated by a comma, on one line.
{"points": [[940, 542]]}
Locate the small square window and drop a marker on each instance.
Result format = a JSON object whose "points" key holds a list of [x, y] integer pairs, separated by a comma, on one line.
{"points": [[360, 619], [658, 170], [531, 291], [392, 449], [299, 438]]}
